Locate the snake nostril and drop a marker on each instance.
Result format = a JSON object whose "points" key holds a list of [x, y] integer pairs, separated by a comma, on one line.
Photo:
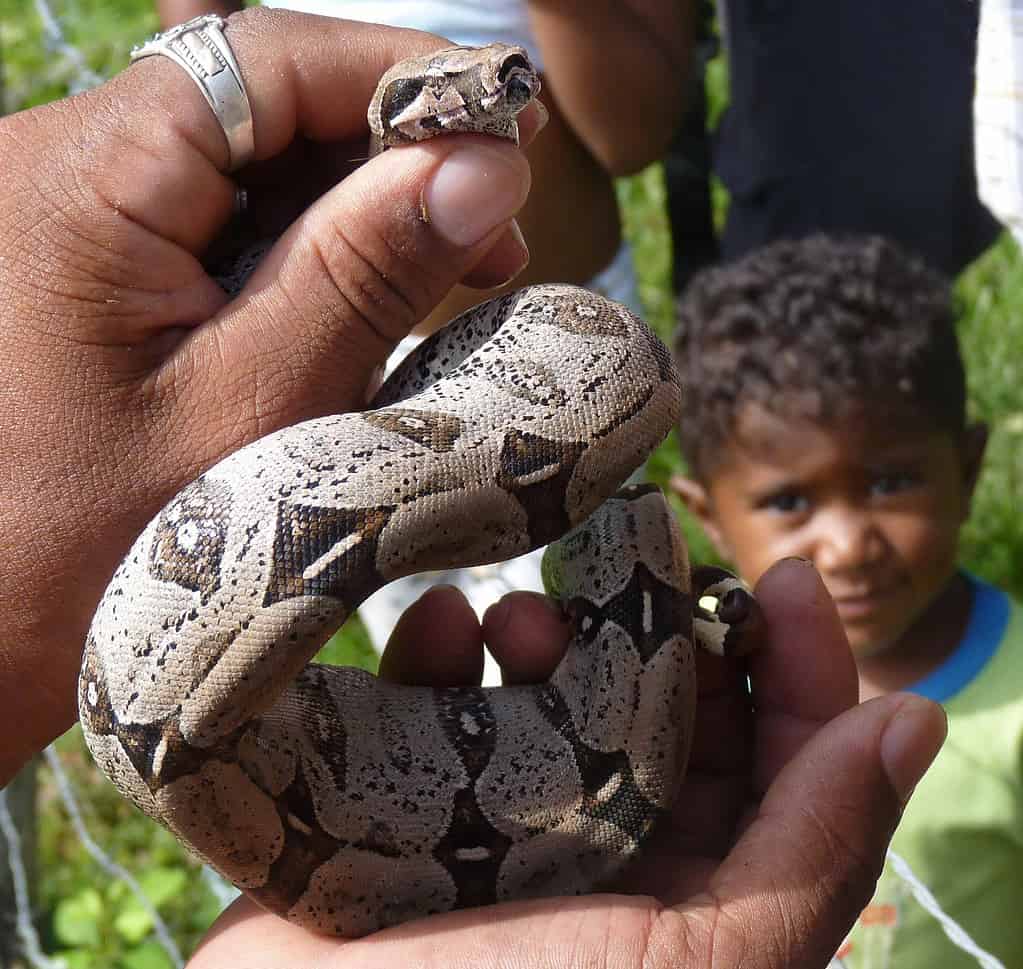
{"points": [[519, 92]]}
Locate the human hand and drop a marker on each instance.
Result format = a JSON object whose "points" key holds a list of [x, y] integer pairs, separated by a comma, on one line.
{"points": [[125, 369], [773, 849]]}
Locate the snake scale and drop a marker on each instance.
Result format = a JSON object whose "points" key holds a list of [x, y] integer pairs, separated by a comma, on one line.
{"points": [[345, 803]]}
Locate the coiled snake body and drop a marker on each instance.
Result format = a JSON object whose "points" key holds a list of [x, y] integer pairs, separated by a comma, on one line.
{"points": [[346, 803]]}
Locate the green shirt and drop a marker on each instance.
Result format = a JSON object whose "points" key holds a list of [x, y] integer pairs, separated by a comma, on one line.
{"points": [[962, 833]]}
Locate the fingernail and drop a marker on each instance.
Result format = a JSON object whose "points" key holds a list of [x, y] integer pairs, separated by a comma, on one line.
{"points": [[476, 189], [517, 235], [496, 617], [444, 589], [800, 560], [529, 129], [518, 260], [911, 741], [542, 114]]}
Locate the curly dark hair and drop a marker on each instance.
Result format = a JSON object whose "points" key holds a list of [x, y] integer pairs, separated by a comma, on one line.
{"points": [[816, 329]]}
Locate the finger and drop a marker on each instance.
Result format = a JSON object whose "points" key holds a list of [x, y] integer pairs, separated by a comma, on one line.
{"points": [[437, 642], [591, 930], [143, 157], [341, 287], [800, 642], [502, 263], [139, 161], [806, 676], [527, 634], [817, 845], [303, 75], [245, 934]]}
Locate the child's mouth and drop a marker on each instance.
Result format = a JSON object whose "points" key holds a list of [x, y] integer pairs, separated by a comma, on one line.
{"points": [[863, 605]]}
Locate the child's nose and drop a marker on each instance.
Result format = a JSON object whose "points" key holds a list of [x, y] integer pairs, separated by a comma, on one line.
{"points": [[847, 539]]}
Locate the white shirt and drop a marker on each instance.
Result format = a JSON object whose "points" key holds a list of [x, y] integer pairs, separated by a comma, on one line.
{"points": [[462, 21]]}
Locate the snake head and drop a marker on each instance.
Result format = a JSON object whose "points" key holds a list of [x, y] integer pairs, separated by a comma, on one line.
{"points": [[459, 89]]}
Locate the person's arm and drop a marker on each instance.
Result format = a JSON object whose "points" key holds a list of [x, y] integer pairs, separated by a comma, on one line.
{"points": [[619, 70], [124, 369]]}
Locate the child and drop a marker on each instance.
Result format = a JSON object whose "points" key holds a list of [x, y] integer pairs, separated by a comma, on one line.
{"points": [[825, 418]]}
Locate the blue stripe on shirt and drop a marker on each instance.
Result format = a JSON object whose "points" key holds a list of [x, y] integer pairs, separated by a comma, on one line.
{"points": [[989, 617]]}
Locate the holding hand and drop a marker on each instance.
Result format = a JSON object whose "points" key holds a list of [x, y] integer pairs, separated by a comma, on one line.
{"points": [[778, 835], [127, 371]]}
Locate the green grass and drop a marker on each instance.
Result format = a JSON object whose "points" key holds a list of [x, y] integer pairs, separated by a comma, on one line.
{"points": [[990, 294], [91, 919]]}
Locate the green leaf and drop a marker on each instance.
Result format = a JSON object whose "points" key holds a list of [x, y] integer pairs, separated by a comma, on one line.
{"points": [[133, 923], [77, 959], [76, 919], [162, 884], [149, 955]]}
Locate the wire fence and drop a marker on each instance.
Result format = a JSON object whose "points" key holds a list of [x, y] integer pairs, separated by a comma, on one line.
{"points": [[70, 64]]}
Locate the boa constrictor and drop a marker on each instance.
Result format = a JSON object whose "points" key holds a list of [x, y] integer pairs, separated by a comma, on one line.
{"points": [[346, 803]]}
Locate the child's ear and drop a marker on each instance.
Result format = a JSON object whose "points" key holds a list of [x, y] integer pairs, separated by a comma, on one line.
{"points": [[695, 497], [975, 443]]}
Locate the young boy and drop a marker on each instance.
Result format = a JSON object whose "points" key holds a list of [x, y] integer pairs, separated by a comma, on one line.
{"points": [[825, 417]]}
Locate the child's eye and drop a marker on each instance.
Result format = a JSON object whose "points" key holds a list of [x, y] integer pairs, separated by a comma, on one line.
{"points": [[893, 482], [784, 502]]}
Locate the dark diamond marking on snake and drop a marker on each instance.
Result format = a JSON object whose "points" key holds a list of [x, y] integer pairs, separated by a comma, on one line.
{"points": [[651, 611], [582, 314], [612, 794], [325, 551], [188, 545], [145, 744], [306, 847], [399, 95], [431, 429], [537, 471], [472, 849]]}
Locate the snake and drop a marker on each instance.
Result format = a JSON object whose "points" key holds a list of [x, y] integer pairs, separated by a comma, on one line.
{"points": [[345, 803]]}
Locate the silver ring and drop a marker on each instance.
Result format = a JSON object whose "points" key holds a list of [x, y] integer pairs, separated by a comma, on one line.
{"points": [[200, 47], [241, 200]]}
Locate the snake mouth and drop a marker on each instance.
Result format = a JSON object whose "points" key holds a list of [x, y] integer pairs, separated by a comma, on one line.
{"points": [[518, 82]]}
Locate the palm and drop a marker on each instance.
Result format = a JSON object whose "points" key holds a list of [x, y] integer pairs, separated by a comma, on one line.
{"points": [[748, 839]]}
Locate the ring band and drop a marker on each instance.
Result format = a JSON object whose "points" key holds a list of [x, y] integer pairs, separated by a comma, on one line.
{"points": [[201, 48]]}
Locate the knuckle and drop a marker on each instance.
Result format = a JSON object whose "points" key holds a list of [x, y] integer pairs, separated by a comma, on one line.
{"points": [[376, 282]]}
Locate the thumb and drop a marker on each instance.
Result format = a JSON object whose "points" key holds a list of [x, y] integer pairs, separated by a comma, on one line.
{"points": [[352, 277], [808, 863]]}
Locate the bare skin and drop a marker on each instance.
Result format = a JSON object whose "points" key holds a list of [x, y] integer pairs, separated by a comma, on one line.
{"points": [[125, 371], [607, 66], [755, 821]]}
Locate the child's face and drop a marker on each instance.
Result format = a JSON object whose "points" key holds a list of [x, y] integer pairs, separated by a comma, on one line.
{"points": [[875, 506]]}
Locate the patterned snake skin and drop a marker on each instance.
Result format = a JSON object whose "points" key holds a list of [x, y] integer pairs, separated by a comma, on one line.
{"points": [[345, 803]]}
